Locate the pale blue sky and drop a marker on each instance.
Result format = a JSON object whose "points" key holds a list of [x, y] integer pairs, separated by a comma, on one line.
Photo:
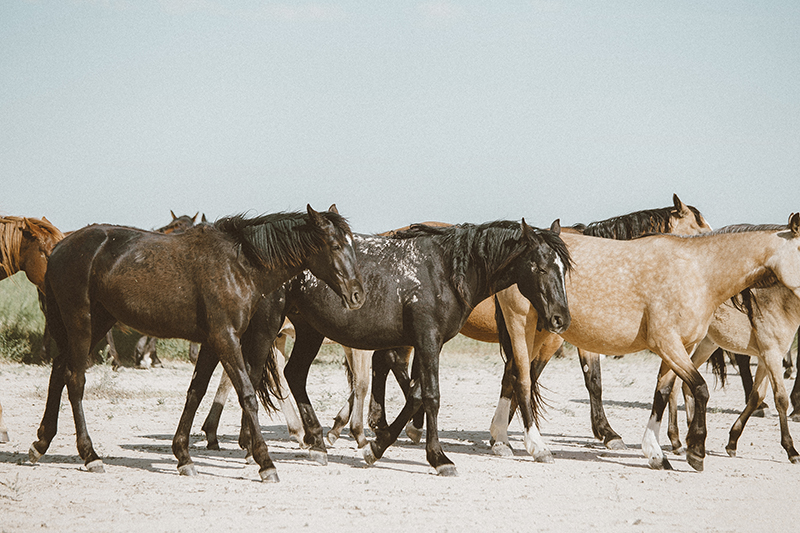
{"points": [[120, 111]]}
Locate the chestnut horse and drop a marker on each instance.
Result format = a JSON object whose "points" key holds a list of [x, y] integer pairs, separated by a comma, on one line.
{"points": [[207, 285], [25, 245], [657, 293]]}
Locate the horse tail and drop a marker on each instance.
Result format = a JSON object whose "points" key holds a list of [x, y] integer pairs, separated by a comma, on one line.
{"points": [[270, 384], [507, 353], [718, 366]]}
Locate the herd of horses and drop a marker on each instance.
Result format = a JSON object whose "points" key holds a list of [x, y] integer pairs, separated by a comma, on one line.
{"points": [[659, 280]]}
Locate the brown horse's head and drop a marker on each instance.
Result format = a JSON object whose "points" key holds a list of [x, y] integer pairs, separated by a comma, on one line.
{"points": [[25, 244], [685, 219]]}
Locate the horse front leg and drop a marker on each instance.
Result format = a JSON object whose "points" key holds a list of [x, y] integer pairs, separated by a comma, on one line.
{"points": [[306, 347], [381, 366], [590, 366], [677, 360], [498, 429]]}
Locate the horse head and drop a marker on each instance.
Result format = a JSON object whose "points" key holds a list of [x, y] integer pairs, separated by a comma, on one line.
{"points": [[335, 262], [785, 264], [685, 219], [540, 275]]}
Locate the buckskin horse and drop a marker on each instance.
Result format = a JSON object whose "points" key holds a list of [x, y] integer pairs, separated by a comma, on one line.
{"points": [[207, 285], [25, 245], [658, 293]]}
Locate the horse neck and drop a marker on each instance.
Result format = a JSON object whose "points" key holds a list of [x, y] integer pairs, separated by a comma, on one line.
{"points": [[732, 262], [10, 244]]}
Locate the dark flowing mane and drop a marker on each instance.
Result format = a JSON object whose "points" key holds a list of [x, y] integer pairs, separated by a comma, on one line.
{"points": [[279, 239], [488, 242], [11, 238], [632, 225]]}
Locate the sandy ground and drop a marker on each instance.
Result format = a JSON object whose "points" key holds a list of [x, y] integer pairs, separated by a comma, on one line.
{"points": [[132, 415]]}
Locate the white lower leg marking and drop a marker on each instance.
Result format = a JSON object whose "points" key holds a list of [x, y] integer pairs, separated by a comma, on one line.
{"points": [[499, 427]]}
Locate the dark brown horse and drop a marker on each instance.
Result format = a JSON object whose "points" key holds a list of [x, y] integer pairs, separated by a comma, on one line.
{"points": [[207, 285], [25, 245], [144, 353]]}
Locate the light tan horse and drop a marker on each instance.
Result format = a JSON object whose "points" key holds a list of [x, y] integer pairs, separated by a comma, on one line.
{"points": [[657, 293], [768, 336], [25, 245]]}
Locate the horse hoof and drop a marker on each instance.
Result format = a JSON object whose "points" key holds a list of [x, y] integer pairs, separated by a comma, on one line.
{"points": [[4, 436], [795, 416], [760, 412], [795, 460], [678, 450], [187, 470], [659, 463], [250, 459], [694, 460], [319, 457], [213, 445], [332, 437], [369, 455], [544, 457], [616, 444], [270, 475], [414, 433], [96, 466], [447, 470], [731, 451], [502, 449], [34, 455]]}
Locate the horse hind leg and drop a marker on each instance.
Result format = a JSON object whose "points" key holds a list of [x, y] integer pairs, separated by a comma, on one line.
{"points": [[768, 365], [343, 416], [590, 366], [211, 423]]}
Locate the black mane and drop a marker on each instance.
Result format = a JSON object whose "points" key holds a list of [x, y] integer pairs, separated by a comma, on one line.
{"points": [[487, 242], [632, 225], [279, 239]]}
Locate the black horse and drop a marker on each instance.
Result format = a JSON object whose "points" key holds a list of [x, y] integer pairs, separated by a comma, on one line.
{"points": [[207, 285], [422, 285]]}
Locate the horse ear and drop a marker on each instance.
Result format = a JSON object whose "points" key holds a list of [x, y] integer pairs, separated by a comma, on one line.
{"points": [[555, 227], [333, 209], [794, 224], [314, 217], [173, 215], [680, 207], [203, 219], [526, 229], [195, 217]]}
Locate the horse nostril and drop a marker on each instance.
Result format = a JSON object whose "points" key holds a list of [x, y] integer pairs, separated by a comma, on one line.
{"points": [[557, 321]]}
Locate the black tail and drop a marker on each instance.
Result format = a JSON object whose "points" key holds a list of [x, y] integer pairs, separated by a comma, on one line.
{"points": [[270, 384], [718, 366], [507, 352]]}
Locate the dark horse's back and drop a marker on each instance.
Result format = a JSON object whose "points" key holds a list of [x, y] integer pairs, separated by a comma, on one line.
{"points": [[147, 278], [403, 278]]}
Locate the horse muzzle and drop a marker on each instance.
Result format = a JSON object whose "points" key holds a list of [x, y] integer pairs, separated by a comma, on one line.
{"points": [[556, 323], [354, 296]]}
